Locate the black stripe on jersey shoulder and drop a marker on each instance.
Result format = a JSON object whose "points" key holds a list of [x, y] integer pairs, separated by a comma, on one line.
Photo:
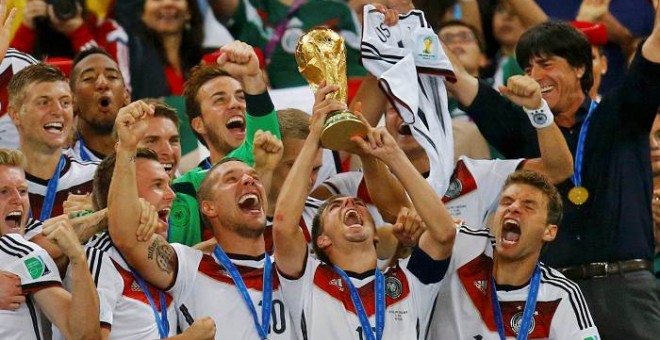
{"points": [[95, 262], [102, 242], [575, 297], [331, 187], [390, 58], [32, 223], [81, 162], [33, 316], [13, 53], [313, 203], [13, 247], [465, 229]]}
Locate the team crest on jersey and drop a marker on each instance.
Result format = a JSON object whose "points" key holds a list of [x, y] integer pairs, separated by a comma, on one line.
{"points": [[337, 283], [393, 287], [516, 320], [482, 285], [455, 188]]}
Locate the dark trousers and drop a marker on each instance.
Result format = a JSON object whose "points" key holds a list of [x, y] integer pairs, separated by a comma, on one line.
{"points": [[624, 306]]}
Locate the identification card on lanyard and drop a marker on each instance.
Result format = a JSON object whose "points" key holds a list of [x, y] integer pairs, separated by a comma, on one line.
{"points": [[267, 290], [161, 320], [528, 313], [379, 287]]}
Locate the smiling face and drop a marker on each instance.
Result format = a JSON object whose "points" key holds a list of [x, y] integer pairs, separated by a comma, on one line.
{"points": [[520, 224], [162, 136], [222, 121], [236, 199], [153, 185], [166, 16], [100, 92], [45, 116], [507, 27], [14, 201], [559, 81]]}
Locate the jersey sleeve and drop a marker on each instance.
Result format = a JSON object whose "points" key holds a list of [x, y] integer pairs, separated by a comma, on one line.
{"points": [[297, 292], [188, 259], [565, 325], [32, 228], [109, 284], [30, 262], [425, 275]]}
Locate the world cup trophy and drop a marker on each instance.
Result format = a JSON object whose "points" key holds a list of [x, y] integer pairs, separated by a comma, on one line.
{"points": [[321, 55]]}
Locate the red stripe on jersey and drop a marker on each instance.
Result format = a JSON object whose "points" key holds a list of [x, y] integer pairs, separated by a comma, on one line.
{"points": [[462, 182], [326, 279], [253, 277], [476, 279], [133, 291]]}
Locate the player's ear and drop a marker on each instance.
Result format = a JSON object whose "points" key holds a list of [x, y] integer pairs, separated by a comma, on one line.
{"points": [[550, 232], [323, 241]]}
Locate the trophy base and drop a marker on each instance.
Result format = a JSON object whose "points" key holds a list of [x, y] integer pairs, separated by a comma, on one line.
{"points": [[339, 128]]}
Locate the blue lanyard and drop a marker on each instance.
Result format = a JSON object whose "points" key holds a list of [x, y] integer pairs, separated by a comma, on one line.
{"points": [[267, 290], [530, 306], [161, 320], [83, 154], [359, 308], [51, 191], [579, 152], [207, 163]]}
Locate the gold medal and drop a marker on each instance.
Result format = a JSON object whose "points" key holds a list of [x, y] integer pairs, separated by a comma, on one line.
{"points": [[578, 195]]}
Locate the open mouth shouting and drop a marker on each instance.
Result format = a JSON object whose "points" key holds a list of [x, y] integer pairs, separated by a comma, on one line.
{"points": [[510, 232], [164, 215], [13, 221], [236, 125], [250, 203], [352, 218], [104, 104]]}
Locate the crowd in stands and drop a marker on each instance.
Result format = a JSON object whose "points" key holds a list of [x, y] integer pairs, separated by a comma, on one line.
{"points": [[167, 169]]}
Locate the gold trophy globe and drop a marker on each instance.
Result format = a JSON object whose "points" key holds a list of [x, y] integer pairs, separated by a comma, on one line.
{"points": [[321, 55]]}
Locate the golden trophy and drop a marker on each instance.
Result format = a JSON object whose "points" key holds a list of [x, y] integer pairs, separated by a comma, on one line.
{"points": [[321, 55]]}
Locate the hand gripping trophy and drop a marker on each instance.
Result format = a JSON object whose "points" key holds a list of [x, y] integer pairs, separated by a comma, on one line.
{"points": [[321, 55]]}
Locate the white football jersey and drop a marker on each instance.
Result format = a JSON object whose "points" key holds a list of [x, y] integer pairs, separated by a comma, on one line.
{"points": [[464, 309], [204, 288], [309, 211], [124, 306], [321, 305], [474, 187], [37, 271]]}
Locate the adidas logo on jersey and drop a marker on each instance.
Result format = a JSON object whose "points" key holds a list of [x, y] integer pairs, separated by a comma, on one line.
{"points": [[482, 285], [135, 286]]}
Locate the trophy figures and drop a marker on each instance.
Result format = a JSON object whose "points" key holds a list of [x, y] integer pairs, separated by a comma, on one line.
{"points": [[321, 55]]}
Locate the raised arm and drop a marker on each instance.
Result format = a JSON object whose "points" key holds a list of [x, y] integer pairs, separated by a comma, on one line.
{"points": [[288, 239], [556, 161], [75, 314], [154, 259], [651, 47], [529, 12], [438, 239], [267, 152]]}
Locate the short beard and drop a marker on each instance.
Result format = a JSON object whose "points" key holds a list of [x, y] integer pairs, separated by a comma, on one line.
{"points": [[99, 127], [246, 231]]}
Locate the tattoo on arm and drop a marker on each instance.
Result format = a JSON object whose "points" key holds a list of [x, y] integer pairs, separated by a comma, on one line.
{"points": [[164, 255]]}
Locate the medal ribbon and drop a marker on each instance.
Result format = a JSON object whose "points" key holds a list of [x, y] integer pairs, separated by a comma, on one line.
{"points": [[530, 306], [51, 191], [267, 290], [207, 163], [279, 30], [83, 154], [576, 178], [161, 320], [379, 287]]}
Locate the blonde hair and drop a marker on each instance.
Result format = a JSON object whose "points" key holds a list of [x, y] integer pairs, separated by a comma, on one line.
{"points": [[12, 158]]}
